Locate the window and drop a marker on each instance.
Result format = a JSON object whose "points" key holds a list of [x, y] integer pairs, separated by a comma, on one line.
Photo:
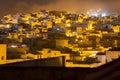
{"points": [[49, 51], [2, 58], [38, 57]]}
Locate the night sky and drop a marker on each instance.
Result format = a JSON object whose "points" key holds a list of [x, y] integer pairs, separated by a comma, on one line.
{"points": [[79, 6]]}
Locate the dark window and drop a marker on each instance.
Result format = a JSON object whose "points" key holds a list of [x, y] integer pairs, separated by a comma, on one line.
{"points": [[49, 51], [37, 57], [2, 58]]}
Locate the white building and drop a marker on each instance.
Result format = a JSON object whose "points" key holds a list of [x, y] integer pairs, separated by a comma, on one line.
{"points": [[112, 54], [101, 57]]}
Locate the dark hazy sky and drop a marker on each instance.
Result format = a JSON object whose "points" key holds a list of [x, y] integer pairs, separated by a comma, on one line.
{"points": [[14, 6]]}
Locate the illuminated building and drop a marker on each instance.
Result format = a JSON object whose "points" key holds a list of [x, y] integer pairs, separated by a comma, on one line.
{"points": [[90, 25], [61, 43], [4, 25], [68, 33], [44, 36], [116, 28], [16, 50], [79, 30], [68, 25], [3, 53]]}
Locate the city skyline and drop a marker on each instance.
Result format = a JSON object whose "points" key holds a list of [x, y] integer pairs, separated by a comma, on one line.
{"points": [[84, 41]]}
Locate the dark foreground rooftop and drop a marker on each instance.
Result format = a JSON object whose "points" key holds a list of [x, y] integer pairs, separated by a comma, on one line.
{"points": [[109, 71]]}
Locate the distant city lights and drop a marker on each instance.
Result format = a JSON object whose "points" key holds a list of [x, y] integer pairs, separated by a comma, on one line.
{"points": [[97, 13], [94, 14], [104, 14], [58, 29]]}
